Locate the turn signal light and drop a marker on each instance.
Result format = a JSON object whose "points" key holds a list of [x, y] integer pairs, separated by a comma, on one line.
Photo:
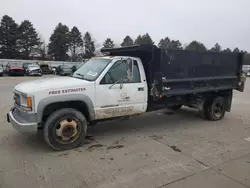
{"points": [[29, 102]]}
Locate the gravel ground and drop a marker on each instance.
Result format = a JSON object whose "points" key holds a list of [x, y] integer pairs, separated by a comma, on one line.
{"points": [[152, 150]]}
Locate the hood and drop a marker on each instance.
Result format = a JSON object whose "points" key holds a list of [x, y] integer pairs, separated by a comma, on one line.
{"points": [[15, 67], [33, 68], [51, 83]]}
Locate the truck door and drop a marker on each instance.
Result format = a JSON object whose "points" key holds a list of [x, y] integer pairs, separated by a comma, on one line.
{"points": [[120, 92]]}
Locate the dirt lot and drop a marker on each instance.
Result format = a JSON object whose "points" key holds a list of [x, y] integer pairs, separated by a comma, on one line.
{"points": [[152, 150]]}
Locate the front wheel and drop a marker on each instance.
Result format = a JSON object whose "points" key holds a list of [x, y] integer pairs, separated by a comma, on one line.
{"points": [[214, 109], [65, 129]]}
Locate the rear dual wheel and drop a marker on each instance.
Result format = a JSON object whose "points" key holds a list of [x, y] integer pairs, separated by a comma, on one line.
{"points": [[65, 129], [214, 109]]}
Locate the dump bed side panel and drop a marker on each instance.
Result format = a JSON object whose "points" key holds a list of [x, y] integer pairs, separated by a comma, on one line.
{"points": [[177, 64], [187, 72]]}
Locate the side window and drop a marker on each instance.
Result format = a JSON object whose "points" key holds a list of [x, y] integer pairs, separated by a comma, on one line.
{"points": [[115, 73], [118, 72]]}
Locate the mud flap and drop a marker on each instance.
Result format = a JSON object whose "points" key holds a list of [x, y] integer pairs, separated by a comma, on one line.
{"points": [[242, 82], [8, 118], [228, 101]]}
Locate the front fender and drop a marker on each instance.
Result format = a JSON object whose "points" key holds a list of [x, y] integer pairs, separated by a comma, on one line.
{"points": [[65, 98]]}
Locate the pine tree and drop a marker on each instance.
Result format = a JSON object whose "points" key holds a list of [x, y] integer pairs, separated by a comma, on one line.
{"points": [[127, 41], [236, 50], [89, 46], [196, 46], [28, 40], [166, 43], [216, 48], [40, 50], [76, 43], [8, 38], [108, 43], [59, 43], [176, 44], [227, 50], [144, 39], [138, 40]]}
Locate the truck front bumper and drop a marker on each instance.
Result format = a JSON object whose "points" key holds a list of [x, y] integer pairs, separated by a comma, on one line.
{"points": [[35, 74], [22, 121]]}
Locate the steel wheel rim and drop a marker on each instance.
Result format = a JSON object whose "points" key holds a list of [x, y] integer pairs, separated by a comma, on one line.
{"points": [[66, 130], [218, 108]]}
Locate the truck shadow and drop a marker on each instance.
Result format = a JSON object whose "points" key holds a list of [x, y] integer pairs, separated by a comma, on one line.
{"points": [[156, 121], [146, 124]]}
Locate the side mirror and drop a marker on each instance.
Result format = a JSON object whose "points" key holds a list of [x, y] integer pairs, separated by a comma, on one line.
{"points": [[121, 84]]}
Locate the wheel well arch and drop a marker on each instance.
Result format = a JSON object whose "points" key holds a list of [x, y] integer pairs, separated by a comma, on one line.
{"points": [[81, 106]]}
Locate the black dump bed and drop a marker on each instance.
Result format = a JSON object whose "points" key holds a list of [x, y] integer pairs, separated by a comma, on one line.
{"points": [[178, 72]]}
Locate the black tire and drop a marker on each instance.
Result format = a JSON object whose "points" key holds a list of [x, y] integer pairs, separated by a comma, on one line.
{"points": [[174, 107], [214, 109], [53, 125]]}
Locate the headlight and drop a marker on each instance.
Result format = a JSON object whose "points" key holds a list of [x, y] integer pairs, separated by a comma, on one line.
{"points": [[26, 103]]}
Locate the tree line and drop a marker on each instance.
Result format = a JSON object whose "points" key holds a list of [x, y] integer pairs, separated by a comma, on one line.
{"points": [[22, 41]]}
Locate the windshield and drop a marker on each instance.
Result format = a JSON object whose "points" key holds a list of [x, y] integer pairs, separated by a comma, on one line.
{"points": [[25, 65], [91, 69], [33, 66], [79, 65], [15, 65]]}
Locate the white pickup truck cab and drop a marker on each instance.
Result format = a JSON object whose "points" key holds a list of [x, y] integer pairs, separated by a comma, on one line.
{"points": [[105, 87], [132, 81]]}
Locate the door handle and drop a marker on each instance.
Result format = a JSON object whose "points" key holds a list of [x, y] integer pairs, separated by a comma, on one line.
{"points": [[140, 88]]}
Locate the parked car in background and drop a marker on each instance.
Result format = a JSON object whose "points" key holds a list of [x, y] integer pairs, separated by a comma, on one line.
{"points": [[46, 69], [54, 70], [25, 66], [1, 70], [64, 70], [75, 67], [246, 69], [34, 70], [15, 69]]}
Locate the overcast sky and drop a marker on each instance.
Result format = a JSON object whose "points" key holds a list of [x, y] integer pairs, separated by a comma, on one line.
{"points": [[209, 21]]}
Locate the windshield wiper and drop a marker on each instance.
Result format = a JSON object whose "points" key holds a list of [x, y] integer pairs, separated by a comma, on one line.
{"points": [[80, 75]]}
